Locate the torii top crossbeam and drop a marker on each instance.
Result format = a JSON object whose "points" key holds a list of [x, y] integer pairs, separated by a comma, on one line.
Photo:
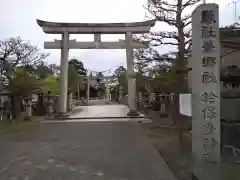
{"points": [[92, 28]]}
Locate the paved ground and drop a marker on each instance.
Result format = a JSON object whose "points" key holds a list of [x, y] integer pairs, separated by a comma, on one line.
{"points": [[97, 101], [100, 111], [82, 151], [93, 102]]}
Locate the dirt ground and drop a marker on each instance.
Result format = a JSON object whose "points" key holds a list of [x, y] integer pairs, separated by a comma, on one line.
{"points": [[165, 139]]}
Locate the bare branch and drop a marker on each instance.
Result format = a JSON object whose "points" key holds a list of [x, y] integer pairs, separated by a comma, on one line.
{"points": [[189, 3], [186, 20], [172, 13], [188, 33], [188, 46], [162, 11], [15, 52], [161, 38], [188, 41], [187, 23]]}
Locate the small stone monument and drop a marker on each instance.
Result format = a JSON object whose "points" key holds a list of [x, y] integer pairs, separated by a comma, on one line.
{"points": [[110, 97], [27, 104], [139, 97], [139, 100], [70, 101], [8, 109], [150, 97], [163, 109], [49, 104], [2, 109], [56, 104], [120, 94], [171, 97]]}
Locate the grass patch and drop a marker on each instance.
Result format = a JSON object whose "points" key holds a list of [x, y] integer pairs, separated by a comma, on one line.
{"points": [[16, 126], [230, 172]]}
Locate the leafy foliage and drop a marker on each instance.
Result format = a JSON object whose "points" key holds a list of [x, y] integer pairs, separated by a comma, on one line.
{"points": [[78, 66], [54, 68], [76, 71], [120, 79], [74, 78], [99, 77], [50, 83], [120, 76], [22, 82], [165, 81], [42, 70]]}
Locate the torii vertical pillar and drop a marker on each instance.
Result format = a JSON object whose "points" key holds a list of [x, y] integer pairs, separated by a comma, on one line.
{"points": [[131, 76], [107, 91], [64, 73], [88, 88]]}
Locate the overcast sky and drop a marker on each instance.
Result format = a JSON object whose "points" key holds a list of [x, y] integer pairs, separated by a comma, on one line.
{"points": [[18, 18]]}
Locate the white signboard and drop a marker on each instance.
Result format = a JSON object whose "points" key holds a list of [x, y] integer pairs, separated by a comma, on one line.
{"points": [[185, 104], [206, 91]]}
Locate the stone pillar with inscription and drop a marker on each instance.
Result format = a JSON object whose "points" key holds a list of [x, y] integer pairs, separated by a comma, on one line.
{"points": [[131, 76], [206, 92]]}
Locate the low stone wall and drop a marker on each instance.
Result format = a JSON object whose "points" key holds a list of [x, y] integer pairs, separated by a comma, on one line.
{"points": [[125, 100], [230, 109]]}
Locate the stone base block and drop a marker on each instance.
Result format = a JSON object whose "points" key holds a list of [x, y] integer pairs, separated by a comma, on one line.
{"points": [[163, 114], [194, 177], [62, 115], [133, 113], [27, 118]]}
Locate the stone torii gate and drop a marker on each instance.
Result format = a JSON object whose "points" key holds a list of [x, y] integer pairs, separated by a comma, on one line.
{"points": [[105, 79], [65, 29]]}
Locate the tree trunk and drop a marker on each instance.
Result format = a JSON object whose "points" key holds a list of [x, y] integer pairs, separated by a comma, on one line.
{"points": [[180, 66], [16, 105], [40, 108]]}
